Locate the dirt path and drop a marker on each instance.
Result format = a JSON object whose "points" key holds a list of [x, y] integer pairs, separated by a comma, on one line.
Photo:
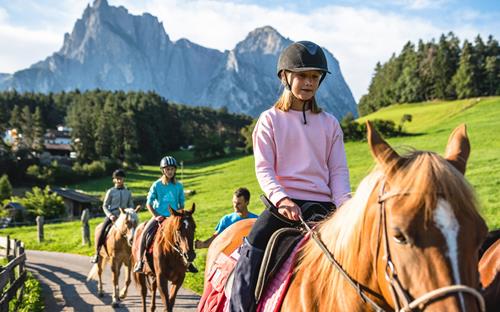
{"points": [[63, 277]]}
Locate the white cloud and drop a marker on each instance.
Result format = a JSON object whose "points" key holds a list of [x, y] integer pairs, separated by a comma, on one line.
{"points": [[359, 37]]}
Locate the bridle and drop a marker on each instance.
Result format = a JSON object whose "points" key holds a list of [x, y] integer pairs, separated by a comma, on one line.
{"points": [[401, 298], [176, 245], [123, 233]]}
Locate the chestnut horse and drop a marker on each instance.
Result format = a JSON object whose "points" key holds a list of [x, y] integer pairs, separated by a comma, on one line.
{"points": [[117, 251], [172, 252], [408, 239], [489, 271]]}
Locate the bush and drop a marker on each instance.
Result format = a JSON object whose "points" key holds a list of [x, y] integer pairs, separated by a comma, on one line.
{"points": [[5, 188], [95, 169], [40, 202], [32, 300]]}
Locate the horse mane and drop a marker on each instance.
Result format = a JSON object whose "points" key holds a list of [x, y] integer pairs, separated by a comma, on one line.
{"points": [[426, 175], [128, 212], [169, 227]]}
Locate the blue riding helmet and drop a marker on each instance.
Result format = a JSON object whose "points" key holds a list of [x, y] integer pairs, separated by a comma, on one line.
{"points": [[168, 161]]}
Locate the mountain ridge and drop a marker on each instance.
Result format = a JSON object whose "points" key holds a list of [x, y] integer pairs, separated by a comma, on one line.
{"points": [[109, 48]]}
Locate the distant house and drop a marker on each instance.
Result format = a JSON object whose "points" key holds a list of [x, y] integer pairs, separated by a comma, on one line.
{"points": [[57, 142], [76, 201], [16, 210]]}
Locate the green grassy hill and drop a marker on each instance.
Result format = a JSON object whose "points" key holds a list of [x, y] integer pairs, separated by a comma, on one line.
{"points": [[215, 181]]}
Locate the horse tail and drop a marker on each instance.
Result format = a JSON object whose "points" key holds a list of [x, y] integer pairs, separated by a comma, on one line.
{"points": [[93, 273]]}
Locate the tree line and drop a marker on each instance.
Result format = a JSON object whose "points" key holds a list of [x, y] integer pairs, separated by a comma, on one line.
{"points": [[445, 70], [126, 127]]}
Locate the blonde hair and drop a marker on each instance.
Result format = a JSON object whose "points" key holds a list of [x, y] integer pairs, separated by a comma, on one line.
{"points": [[286, 99]]}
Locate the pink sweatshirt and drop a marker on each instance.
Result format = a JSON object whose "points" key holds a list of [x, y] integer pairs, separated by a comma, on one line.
{"points": [[301, 161]]}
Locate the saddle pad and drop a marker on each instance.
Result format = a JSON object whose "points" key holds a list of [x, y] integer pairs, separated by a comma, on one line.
{"points": [[214, 297], [274, 294]]}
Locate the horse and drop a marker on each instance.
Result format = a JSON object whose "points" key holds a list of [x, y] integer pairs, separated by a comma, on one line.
{"points": [[408, 238], [172, 252], [489, 272], [117, 251]]}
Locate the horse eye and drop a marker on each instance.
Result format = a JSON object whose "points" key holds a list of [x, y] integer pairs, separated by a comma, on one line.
{"points": [[400, 238]]}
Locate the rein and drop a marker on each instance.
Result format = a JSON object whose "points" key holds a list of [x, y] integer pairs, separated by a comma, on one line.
{"points": [[396, 289]]}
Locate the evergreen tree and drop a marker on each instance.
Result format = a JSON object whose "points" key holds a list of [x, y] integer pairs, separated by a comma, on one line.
{"points": [[445, 65], [15, 118], [5, 188], [492, 67], [409, 84], [427, 69], [27, 126], [479, 59], [464, 80], [38, 131]]}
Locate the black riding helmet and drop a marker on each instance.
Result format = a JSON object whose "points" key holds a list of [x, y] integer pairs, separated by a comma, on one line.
{"points": [[168, 161], [119, 173], [302, 56]]}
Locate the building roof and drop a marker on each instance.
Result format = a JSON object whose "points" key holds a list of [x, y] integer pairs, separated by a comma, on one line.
{"points": [[14, 205], [75, 195], [58, 147]]}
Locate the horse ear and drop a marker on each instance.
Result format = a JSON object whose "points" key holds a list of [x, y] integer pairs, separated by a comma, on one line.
{"points": [[458, 148], [137, 208], [173, 212], [193, 208], [381, 150], [122, 210]]}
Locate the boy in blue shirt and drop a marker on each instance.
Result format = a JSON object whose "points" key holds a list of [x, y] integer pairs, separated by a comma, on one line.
{"points": [[241, 199]]}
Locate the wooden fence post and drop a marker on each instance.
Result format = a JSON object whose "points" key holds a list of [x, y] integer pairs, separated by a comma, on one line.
{"points": [[85, 227], [39, 225]]}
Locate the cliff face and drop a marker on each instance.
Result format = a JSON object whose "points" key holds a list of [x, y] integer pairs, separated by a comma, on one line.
{"points": [[111, 49]]}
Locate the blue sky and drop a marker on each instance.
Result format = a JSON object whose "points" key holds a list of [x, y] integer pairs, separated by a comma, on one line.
{"points": [[359, 33]]}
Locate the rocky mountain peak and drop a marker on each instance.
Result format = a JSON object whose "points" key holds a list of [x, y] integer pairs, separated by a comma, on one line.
{"points": [[263, 40]]}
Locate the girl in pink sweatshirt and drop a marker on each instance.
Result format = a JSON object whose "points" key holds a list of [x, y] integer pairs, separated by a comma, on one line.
{"points": [[300, 162]]}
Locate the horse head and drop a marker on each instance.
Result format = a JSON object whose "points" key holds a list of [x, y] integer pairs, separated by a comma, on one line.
{"points": [[127, 223], [429, 229], [408, 238], [184, 232]]}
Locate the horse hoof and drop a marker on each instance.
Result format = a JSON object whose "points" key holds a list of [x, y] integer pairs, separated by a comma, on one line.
{"points": [[100, 295], [115, 304]]}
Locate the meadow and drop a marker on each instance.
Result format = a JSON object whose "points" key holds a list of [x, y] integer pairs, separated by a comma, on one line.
{"points": [[215, 181]]}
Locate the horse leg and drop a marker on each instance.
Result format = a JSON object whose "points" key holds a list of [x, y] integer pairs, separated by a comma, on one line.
{"points": [[174, 288], [128, 269], [143, 289], [163, 287], [100, 265], [153, 295], [115, 272]]}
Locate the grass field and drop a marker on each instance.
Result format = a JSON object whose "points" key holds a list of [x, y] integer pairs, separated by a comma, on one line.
{"points": [[215, 181]]}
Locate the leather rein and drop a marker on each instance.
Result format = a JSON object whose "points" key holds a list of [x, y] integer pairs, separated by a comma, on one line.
{"points": [[401, 298]]}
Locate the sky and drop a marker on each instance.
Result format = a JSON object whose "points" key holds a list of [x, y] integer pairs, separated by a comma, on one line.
{"points": [[358, 33]]}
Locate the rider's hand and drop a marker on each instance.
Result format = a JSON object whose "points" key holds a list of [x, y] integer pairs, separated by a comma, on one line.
{"points": [[289, 209], [113, 218], [198, 244]]}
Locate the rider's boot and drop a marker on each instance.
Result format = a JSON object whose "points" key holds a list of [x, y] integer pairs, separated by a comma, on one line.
{"points": [[191, 268], [245, 279]]}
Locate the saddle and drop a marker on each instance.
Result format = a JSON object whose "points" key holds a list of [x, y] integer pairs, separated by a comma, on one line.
{"points": [[151, 236]]}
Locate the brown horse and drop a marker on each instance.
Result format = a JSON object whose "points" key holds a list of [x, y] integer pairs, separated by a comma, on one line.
{"points": [[117, 251], [489, 270], [412, 230], [172, 252]]}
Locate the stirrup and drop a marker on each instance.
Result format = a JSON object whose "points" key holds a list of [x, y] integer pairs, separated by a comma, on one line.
{"points": [[94, 259], [138, 267]]}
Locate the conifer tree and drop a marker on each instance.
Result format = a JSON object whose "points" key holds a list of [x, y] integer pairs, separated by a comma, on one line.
{"points": [[464, 80], [38, 131], [5, 188], [27, 126]]}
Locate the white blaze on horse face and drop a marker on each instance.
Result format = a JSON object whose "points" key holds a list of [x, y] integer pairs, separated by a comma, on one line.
{"points": [[186, 223], [445, 220]]}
